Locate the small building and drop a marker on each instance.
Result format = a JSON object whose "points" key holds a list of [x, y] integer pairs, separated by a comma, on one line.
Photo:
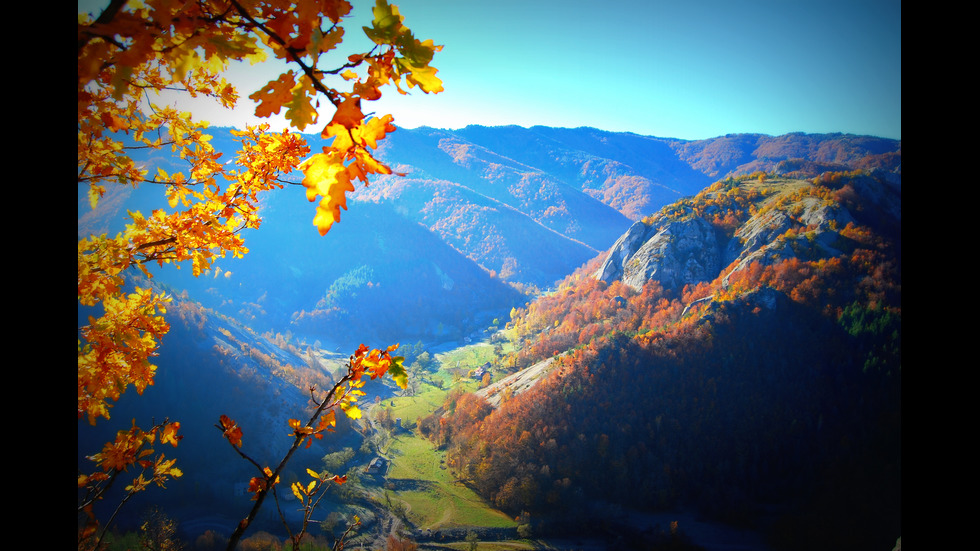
{"points": [[376, 466], [480, 371]]}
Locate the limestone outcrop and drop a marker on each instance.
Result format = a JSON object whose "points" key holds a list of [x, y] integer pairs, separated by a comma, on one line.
{"points": [[674, 252]]}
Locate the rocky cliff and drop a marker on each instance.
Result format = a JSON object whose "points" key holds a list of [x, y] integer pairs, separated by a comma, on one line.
{"points": [[673, 252], [740, 221]]}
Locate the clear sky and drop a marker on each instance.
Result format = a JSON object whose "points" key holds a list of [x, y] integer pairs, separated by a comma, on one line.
{"points": [[687, 69]]}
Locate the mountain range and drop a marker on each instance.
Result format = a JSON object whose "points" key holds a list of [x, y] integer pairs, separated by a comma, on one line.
{"points": [[562, 234], [481, 217]]}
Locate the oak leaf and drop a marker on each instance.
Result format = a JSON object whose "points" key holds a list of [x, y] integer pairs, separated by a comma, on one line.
{"points": [[348, 113], [326, 176], [272, 96]]}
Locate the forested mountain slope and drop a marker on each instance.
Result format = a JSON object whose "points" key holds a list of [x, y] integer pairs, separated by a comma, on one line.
{"points": [[737, 353], [734, 348], [478, 208], [492, 191]]}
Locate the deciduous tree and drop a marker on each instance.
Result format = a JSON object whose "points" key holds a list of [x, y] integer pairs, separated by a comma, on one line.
{"points": [[134, 51]]}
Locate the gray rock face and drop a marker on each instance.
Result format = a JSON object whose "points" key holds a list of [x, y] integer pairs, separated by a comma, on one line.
{"points": [[622, 250], [674, 252], [681, 248]]}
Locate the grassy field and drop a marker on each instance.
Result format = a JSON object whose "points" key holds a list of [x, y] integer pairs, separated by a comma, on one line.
{"points": [[432, 498]]}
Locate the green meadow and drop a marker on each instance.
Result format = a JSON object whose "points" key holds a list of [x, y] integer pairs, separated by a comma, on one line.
{"points": [[418, 481]]}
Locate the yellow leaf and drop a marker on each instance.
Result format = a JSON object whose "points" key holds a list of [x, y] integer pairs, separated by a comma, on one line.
{"points": [[374, 130], [353, 412], [326, 177], [300, 110], [95, 192], [426, 79], [341, 135]]}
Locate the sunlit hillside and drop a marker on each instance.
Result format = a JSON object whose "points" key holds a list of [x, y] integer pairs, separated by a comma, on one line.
{"points": [[596, 338], [766, 394]]}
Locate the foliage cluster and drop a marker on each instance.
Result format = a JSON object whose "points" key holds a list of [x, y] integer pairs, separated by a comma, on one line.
{"points": [[129, 57], [783, 389]]}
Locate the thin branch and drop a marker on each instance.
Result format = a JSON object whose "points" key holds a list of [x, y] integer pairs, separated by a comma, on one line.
{"points": [[294, 56], [270, 479]]}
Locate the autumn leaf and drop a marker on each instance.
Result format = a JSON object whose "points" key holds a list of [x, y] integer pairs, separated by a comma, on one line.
{"points": [[169, 434], [417, 53], [114, 122], [297, 489], [256, 485], [336, 9], [397, 372], [272, 96], [268, 474], [387, 24], [348, 113], [375, 130], [300, 111], [231, 431], [352, 411], [342, 137], [375, 364], [325, 176], [426, 79], [298, 428], [327, 421]]}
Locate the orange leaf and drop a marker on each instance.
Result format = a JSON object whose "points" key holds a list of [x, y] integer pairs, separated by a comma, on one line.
{"points": [[170, 434], [327, 420], [272, 96], [348, 113], [231, 431]]}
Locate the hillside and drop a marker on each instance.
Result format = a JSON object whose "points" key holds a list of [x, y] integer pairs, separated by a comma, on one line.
{"points": [[732, 349], [738, 353], [530, 203], [210, 365], [526, 206]]}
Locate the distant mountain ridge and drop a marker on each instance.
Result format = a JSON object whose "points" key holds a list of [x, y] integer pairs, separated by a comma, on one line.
{"points": [[526, 205], [585, 185]]}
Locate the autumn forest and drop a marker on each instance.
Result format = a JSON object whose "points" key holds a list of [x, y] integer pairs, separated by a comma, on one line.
{"points": [[352, 335]]}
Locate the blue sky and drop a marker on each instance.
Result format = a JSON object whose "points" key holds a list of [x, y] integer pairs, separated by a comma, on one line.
{"points": [[684, 69]]}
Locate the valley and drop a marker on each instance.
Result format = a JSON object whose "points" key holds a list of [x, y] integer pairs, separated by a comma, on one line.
{"points": [[701, 333]]}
